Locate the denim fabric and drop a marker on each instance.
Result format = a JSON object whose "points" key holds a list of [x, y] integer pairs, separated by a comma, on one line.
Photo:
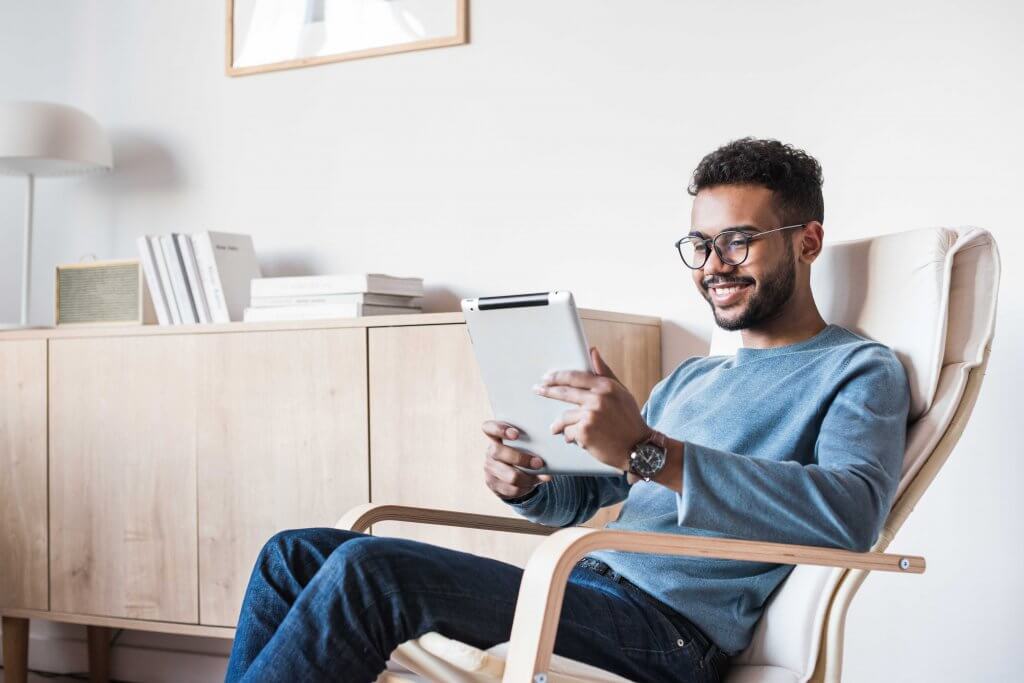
{"points": [[331, 605]]}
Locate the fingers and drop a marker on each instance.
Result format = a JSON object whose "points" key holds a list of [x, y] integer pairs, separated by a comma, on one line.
{"points": [[500, 430], [506, 480], [600, 367], [580, 379], [565, 393], [513, 457], [571, 416]]}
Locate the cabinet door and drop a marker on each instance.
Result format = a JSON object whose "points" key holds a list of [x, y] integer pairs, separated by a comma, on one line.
{"points": [[23, 566], [123, 477], [427, 403], [282, 443]]}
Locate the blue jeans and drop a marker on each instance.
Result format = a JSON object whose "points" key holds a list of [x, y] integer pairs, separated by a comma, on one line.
{"points": [[331, 605]]}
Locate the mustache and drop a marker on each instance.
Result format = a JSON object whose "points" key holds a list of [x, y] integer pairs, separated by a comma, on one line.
{"points": [[726, 281]]}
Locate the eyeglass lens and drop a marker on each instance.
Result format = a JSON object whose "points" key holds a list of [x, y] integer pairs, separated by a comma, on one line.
{"points": [[731, 247]]}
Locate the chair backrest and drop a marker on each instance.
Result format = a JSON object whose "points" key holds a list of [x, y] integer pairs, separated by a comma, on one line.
{"points": [[930, 295]]}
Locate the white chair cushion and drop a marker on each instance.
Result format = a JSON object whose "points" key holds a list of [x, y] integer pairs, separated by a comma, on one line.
{"points": [[442, 659], [947, 295], [929, 295]]}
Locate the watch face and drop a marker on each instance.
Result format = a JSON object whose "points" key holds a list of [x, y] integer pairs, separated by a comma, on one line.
{"points": [[648, 461]]}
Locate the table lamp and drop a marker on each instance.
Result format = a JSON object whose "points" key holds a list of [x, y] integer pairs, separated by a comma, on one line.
{"points": [[42, 139]]}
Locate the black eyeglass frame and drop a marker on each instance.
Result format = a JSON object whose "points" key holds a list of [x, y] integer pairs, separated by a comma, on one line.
{"points": [[713, 243]]}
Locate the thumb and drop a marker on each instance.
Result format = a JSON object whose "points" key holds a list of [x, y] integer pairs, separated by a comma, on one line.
{"points": [[600, 366]]}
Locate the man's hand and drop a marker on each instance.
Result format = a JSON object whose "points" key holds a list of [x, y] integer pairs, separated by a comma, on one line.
{"points": [[607, 422], [500, 473]]}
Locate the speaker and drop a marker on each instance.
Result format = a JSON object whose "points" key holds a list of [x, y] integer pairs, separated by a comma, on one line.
{"points": [[103, 293]]}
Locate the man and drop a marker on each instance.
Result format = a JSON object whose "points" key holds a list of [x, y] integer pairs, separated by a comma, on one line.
{"points": [[799, 438]]}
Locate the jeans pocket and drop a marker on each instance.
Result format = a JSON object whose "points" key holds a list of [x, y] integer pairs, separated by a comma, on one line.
{"points": [[644, 630]]}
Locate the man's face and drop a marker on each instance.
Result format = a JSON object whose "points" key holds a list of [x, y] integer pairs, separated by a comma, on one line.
{"points": [[749, 294]]}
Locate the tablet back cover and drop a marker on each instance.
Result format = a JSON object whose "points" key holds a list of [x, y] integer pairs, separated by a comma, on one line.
{"points": [[516, 340]]}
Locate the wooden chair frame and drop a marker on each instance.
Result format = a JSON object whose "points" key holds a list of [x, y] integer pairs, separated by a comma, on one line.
{"points": [[543, 586]]}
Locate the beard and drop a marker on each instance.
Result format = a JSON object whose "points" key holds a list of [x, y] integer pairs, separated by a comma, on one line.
{"points": [[767, 300]]}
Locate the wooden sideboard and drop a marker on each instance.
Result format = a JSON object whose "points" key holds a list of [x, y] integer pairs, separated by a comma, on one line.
{"points": [[142, 468]]}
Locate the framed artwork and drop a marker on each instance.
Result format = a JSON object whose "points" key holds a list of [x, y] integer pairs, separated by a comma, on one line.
{"points": [[267, 35]]}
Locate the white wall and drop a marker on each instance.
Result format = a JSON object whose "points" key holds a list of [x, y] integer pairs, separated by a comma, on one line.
{"points": [[563, 136]]}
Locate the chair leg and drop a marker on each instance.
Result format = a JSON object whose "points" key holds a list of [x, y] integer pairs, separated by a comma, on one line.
{"points": [[99, 653], [15, 650]]}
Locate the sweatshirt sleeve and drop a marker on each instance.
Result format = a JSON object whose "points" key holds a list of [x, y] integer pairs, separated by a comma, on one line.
{"points": [[572, 500], [841, 499]]}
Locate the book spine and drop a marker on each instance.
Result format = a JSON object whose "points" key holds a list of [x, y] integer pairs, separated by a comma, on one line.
{"points": [[301, 300], [343, 284], [177, 273], [195, 287], [206, 263], [156, 290], [156, 244]]}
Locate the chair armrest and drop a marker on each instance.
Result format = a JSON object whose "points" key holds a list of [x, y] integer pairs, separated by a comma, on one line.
{"points": [[362, 516], [543, 585]]}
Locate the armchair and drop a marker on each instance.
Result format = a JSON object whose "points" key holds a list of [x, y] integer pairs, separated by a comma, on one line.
{"points": [[945, 283]]}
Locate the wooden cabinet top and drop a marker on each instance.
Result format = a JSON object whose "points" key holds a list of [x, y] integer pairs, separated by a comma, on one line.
{"points": [[122, 330]]}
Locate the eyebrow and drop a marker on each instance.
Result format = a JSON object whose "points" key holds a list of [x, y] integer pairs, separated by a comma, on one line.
{"points": [[741, 228]]}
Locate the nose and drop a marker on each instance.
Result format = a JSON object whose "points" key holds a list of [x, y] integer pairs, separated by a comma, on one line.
{"points": [[714, 265]]}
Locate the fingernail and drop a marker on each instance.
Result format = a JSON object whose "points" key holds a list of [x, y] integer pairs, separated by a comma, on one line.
{"points": [[548, 376], [536, 463], [511, 433], [538, 389]]}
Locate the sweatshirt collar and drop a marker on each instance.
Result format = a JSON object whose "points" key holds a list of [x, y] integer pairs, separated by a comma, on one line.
{"points": [[820, 340]]}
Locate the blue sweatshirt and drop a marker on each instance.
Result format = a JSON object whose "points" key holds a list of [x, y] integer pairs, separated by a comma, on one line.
{"points": [[795, 444]]}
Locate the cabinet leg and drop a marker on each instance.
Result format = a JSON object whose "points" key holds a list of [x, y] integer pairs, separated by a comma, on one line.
{"points": [[99, 653], [15, 650]]}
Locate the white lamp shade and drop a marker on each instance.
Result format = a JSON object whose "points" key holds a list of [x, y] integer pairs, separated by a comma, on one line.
{"points": [[46, 139]]}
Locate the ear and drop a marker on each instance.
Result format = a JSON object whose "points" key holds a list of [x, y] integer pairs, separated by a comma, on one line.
{"points": [[812, 239]]}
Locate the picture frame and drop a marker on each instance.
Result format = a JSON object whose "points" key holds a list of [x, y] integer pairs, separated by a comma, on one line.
{"points": [[271, 35]]}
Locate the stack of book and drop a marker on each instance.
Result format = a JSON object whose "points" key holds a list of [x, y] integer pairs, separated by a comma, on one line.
{"points": [[200, 278], [347, 295]]}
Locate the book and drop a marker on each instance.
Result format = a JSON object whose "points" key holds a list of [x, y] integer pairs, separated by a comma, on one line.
{"points": [[227, 265], [345, 283], [195, 286], [355, 298], [177, 274], [321, 311], [156, 289], [165, 278]]}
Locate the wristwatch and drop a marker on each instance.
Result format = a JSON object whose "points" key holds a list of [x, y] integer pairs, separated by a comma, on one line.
{"points": [[648, 456]]}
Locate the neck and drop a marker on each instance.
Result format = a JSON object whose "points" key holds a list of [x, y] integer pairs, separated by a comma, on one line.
{"points": [[798, 321]]}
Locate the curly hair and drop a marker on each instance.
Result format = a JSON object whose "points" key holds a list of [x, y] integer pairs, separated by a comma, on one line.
{"points": [[793, 175]]}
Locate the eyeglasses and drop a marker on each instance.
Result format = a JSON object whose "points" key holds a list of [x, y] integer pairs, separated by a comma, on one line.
{"points": [[732, 246]]}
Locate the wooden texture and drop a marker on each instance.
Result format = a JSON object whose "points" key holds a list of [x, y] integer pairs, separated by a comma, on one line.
{"points": [[543, 586], [411, 319], [460, 37], [23, 560], [282, 443], [425, 425], [121, 623], [274, 416], [123, 477], [15, 650], [98, 638], [362, 517]]}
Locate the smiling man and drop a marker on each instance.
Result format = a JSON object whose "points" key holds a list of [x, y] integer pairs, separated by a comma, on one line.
{"points": [[798, 438]]}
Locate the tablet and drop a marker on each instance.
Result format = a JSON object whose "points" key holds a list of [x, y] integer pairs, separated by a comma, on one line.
{"points": [[517, 339]]}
